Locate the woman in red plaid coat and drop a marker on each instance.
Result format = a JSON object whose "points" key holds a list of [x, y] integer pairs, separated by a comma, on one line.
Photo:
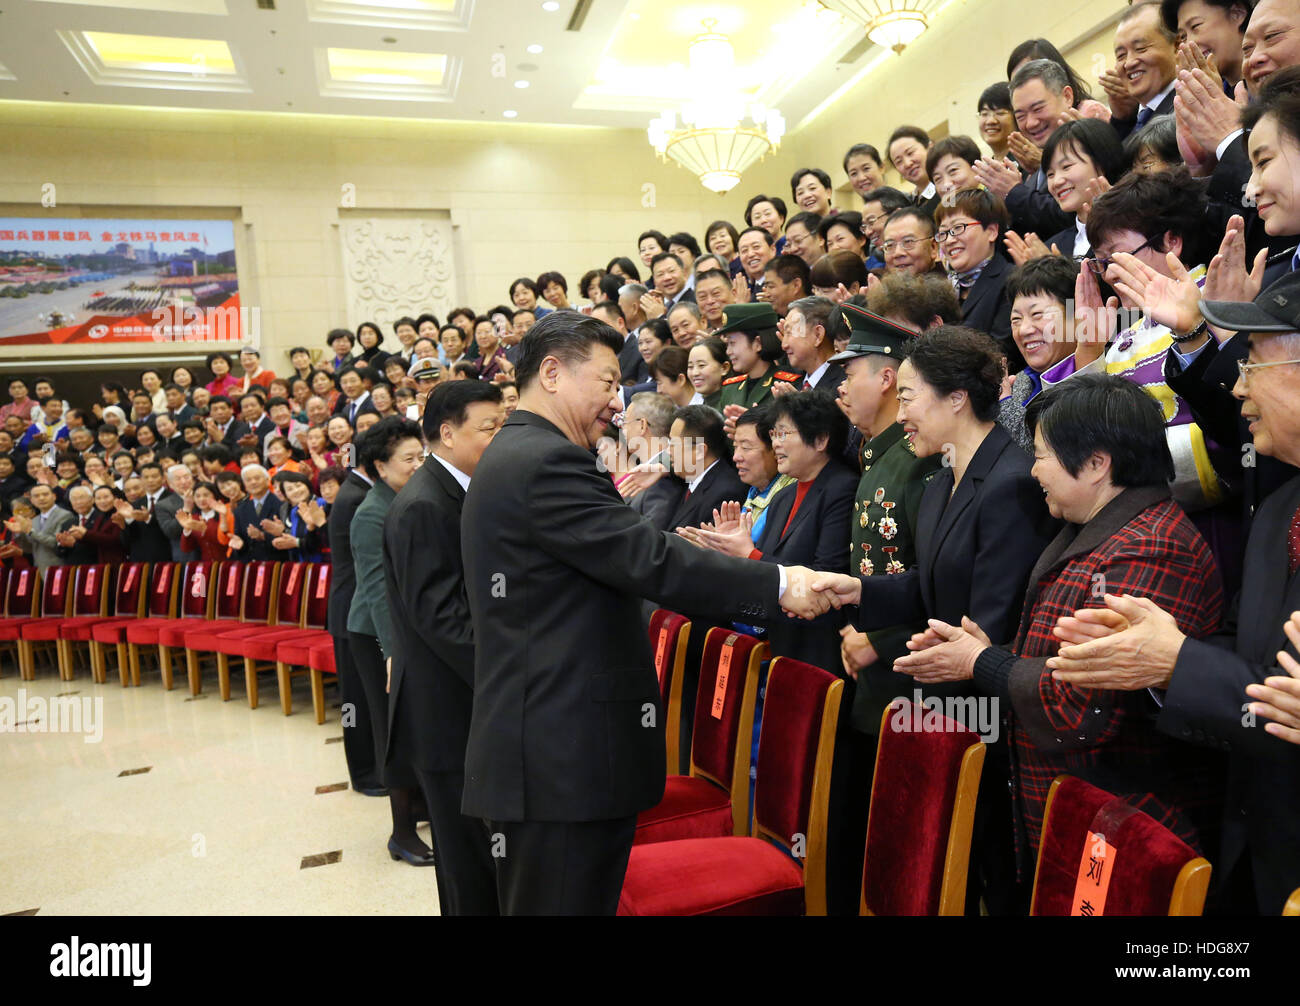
{"points": [[1103, 462]]}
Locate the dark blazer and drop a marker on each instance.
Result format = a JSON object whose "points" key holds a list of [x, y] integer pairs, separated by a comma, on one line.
{"points": [[1227, 188], [1125, 126], [262, 430], [987, 309], [630, 362], [831, 379], [343, 580], [342, 405], [658, 503], [1033, 209], [1205, 705], [1064, 241], [817, 537], [432, 691], [973, 551], [230, 439], [246, 513], [84, 552], [106, 536], [719, 484], [146, 541], [567, 723]]}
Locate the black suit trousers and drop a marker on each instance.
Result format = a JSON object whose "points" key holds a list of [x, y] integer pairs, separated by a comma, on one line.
{"points": [[368, 662], [562, 867], [467, 883], [359, 737]]}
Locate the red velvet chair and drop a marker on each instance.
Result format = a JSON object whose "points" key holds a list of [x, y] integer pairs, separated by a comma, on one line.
{"points": [[56, 599], [178, 594], [125, 599], [669, 635], [246, 597], [761, 875], [1154, 872], [320, 661], [22, 605], [922, 812], [298, 644], [87, 598], [714, 799], [256, 642], [197, 599]]}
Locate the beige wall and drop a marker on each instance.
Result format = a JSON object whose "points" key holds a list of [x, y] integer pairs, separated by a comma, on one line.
{"points": [[522, 198]]}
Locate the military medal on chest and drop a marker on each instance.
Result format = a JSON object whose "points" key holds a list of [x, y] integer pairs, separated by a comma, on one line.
{"points": [[893, 565], [865, 565], [888, 526]]}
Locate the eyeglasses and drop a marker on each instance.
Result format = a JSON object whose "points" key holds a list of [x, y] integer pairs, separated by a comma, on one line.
{"points": [[1244, 368], [906, 244], [955, 231], [1100, 263], [782, 434], [869, 222]]}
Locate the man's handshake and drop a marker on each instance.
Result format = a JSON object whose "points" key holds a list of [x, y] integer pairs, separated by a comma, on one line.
{"points": [[809, 593]]}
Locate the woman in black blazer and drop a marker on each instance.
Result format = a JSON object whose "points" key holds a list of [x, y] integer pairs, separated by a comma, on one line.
{"points": [[981, 526]]}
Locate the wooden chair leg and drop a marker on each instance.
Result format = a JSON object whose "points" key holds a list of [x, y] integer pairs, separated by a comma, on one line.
{"points": [[223, 676], [124, 660], [96, 653], [318, 694], [282, 678], [192, 669], [164, 666], [63, 658], [123, 670], [250, 681], [25, 669]]}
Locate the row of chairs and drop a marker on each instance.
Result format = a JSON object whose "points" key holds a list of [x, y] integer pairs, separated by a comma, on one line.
{"points": [[699, 852], [269, 614]]}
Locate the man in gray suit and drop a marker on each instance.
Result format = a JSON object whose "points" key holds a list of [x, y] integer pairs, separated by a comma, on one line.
{"points": [[645, 426], [180, 480], [48, 522]]}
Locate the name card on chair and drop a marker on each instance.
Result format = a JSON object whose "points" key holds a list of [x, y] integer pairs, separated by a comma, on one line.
{"points": [[199, 585], [294, 570], [1094, 876], [130, 578], [232, 584], [90, 580], [22, 581], [322, 584], [261, 578], [58, 577], [724, 672], [661, 650]]}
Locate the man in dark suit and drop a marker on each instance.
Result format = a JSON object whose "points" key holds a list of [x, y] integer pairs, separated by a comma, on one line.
{"points": [[355, 399], [808, 345], [431, 692], [222, 426], [252, 540], [144, 537], [1212, 688], [1146, 54], [702, 459], [258, 422], [566, 742], [73, 548], [632, 366], [358, 737]]}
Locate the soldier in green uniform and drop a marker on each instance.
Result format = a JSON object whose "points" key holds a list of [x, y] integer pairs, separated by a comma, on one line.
{"points": [[884, 512], [753, 349]]}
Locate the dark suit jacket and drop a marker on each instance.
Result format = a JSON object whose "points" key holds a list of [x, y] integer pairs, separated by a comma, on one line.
{"points": [[343, 580], [106, 536], [84, 552], [234, 431], [1064, 241], [633, 368], [658, 503], [247, 513], [567, 722], [720, 483], [263, 429], [342, 405], [432, 691], [831, 379], [145, 540], [973, 551], [987, 309], [818, 537], [1033, 209], [1125, 126], [1205, 705]]}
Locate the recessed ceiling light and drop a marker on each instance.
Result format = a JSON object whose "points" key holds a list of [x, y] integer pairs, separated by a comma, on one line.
{"points": [[550, 5], [534, 48], [521, 84], [509, 113]]}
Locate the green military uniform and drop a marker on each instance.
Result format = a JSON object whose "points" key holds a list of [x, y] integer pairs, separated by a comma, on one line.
{"points": [[884, 519], [758, 319], [749, 392]]}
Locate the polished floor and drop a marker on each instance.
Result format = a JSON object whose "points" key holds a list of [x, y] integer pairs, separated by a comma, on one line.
{"points": [[188, 806]]}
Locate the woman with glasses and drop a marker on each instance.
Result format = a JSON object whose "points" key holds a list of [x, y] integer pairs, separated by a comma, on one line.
{"points": [[997, 121]]}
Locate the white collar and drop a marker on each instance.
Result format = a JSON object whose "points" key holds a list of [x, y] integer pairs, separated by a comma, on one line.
{"points": [[1154, 103], [1081, 244], [816, 375], [456, 473], [928, 191], [696, 399], [690, 486], [359, 399]]}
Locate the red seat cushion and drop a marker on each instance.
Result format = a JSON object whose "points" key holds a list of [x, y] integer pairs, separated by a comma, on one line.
{"points": [[11, 628], [711, 876], [41, 629], [114, 631], [259, 643], [691, 808], [79, 629], [203, 638], [297, 650], [321, 657], [145, 631]]}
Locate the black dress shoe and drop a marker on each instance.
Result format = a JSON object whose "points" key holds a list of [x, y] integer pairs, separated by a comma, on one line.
{"points": [[397, 851], [373, 792]]}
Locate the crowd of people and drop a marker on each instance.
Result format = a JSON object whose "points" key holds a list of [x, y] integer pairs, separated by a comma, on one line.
{"points": [[1021, 431]]}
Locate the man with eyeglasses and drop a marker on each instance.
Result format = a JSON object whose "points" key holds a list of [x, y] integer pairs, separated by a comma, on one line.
{"points": [[877, 205], [1215, 691], [908, 242]]}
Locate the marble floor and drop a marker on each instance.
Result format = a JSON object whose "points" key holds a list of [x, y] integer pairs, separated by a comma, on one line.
{"points": [[188, 806]]}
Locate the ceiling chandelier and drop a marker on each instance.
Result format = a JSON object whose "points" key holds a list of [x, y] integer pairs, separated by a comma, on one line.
{"points": [[712, 139], [894, 24]]}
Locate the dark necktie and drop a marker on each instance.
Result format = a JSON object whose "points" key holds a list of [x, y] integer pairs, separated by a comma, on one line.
{"points": [[1144, 115], [352, 414], [1293, 544]]}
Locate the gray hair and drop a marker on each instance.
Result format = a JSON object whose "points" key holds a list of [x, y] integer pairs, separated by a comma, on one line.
{"points": [[688, 305], [815, 310], [1052, 75], [636, 290], [244, 472], [657, 410], [80, 489]]}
